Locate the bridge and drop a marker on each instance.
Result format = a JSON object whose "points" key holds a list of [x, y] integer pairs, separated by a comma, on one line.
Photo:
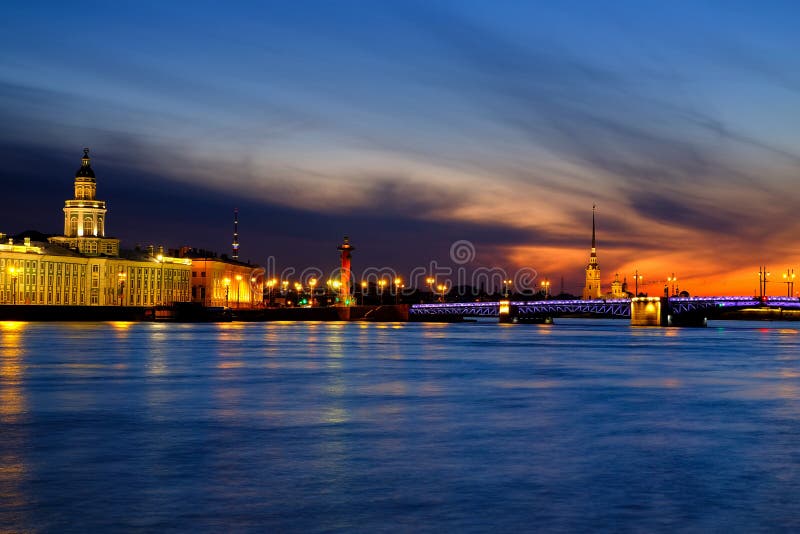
{"points": [[642, 311]]}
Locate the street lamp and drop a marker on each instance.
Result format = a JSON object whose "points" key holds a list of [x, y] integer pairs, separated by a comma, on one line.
{"points": [[546, 287], [789, 277], [506, 286], [441, 288], [238, 287], [270, 285], [672, 279], [398, 284], [13, 272], [253, 292], [363, 291], [312, 284], [382, 285], [636, 278], [160, 259], [430, 281], [227, 283], [121, 292], [763, 274], [297, 288]]}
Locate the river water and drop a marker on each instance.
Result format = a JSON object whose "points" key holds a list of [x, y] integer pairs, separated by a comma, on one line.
{"points": [[581, 425]]}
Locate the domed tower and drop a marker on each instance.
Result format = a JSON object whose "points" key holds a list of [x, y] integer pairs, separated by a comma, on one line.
{"points": [[85, 216], [592, 288]]}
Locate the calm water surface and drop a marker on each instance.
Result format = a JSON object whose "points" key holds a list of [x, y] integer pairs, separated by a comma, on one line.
{"points": [[399, 427]]}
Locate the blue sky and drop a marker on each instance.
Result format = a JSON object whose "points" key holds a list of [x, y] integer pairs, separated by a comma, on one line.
{"points": [[497, 122]]}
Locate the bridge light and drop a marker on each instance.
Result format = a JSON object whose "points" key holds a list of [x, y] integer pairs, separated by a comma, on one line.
{"points": [[505, 307]]}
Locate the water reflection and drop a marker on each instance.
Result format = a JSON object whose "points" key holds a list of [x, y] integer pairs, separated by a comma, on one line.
{"points": [[12, 400], [289, 426], [14, 439]]}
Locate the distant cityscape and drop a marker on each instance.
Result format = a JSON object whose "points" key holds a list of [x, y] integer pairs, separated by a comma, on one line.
{"points": [[85, 267]]}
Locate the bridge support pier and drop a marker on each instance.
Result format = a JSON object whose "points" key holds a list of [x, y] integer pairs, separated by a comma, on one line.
{"points": [[656, 311], [506, 312], [509, 313], [649, 311]]}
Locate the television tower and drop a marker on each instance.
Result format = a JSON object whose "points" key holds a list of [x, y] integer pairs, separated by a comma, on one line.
{"points": [[235, 254]]}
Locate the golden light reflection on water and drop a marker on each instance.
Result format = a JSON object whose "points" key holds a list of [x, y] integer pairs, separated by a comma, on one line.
{"points": [[12, 326], [157, 352], [121, 329], [12, 400], [230, 365], [12, 410]]}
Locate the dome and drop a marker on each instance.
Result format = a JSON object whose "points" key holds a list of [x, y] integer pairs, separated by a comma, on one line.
{"points": [[86, 169]]}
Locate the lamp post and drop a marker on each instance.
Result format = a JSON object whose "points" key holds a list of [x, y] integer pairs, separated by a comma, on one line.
{"points": [[160, 259], [253, 292], [763, 274], [121, 291], [441, 288], [546, 288], [363, 291], [398, 284], [312, 284], [270, 285], [382, 285], [430, 281], [13, 272], [788, 276], [227, 283], [506, 286], [672, 280], [297, 287], [238, 287], [636, 278]]}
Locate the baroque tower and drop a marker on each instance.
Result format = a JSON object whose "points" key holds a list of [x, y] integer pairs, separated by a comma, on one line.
{"points": [[85, 217], [592, 288]]}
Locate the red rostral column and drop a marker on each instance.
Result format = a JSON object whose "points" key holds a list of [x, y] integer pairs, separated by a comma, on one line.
{"points": [[344, 289]]}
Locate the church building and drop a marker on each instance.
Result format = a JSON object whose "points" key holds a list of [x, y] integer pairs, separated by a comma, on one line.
{"points": [[592, 288]]}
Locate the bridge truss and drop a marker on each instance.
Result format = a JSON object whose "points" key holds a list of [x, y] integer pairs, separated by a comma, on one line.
{"points": [[607, 308]]}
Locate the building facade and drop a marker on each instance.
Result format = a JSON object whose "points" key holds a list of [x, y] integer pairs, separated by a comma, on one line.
{"points": [[220, 282], [46, 274], [592, 289], [619, 289], [83, 267], [85, 217]]}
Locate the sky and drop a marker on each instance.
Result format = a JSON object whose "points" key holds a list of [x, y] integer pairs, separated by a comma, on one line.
{"points": [[413, 125]]}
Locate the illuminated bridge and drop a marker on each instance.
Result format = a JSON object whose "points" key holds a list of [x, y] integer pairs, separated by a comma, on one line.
{"points": [[642, 311]]}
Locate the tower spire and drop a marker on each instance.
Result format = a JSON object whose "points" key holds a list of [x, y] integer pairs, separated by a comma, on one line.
{"points": [[592, 288], [235, 254]]}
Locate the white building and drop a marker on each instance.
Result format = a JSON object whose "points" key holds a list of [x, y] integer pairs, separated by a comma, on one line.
{"points": [[83, 267]]}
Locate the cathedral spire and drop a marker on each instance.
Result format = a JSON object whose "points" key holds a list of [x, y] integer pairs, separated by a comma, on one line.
{"points": [[592, 288]]}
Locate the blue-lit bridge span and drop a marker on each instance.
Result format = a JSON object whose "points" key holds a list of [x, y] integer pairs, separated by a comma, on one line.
{"points": [[643, 311]]}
